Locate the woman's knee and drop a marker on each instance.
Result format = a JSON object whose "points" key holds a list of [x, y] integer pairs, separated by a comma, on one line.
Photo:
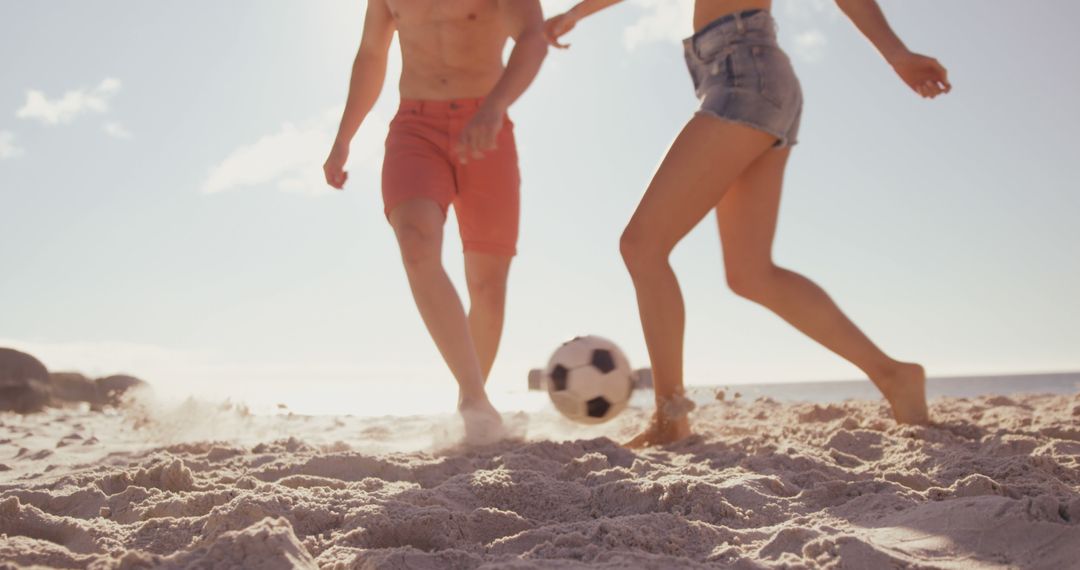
{"points": [[753, 281], [642, 251]]}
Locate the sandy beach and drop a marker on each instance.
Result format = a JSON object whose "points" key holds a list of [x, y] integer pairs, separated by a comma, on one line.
{"points": [[996, 484]]}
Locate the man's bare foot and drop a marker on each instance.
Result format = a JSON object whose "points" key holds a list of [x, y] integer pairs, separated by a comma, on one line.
{"points": [[483, 424], [905, 389], [661, 432]]}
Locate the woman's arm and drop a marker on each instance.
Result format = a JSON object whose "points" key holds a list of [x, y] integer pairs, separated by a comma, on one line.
{"points": [[559, 25], [923, 74], [368, 75]]}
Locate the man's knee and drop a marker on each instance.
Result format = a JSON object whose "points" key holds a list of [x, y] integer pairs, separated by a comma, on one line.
{"points": [[488, 290], [419, 243]]}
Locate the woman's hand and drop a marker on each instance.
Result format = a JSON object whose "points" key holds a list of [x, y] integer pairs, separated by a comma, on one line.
{"points": [[334, 168], [557, 26], [923, 74]]}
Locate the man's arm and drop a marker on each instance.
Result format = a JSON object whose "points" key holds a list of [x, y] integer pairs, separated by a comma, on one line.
{"points": [[526, 23], [923, 74], [368, 75], [559, 25]]}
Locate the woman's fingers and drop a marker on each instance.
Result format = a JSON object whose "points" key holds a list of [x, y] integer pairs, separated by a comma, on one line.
{"points": [[555, 28]]}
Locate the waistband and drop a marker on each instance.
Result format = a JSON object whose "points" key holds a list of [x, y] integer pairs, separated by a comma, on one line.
{"points": [[733, 18], [440, 108]]}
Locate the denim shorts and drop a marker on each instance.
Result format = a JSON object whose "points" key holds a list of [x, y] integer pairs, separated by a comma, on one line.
{"points": [[741, 75]]}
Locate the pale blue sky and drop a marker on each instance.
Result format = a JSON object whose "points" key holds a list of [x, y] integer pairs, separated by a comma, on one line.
{"points": [[171, 222]]}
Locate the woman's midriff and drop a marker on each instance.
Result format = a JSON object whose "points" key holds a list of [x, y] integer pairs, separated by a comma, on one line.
{"points": [[705, 11]]}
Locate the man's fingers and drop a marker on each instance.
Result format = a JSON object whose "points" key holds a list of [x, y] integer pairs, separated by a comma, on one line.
{"points": [[333, 178], [489, 139], [476, 150], [339, 180]]}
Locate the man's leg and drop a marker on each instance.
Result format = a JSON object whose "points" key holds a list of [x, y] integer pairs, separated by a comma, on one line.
{"points": [[418, 225], [486, 275], [747, 218]]}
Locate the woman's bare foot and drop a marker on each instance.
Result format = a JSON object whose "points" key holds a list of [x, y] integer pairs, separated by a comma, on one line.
{"points": [[483, 424], [905, 389], [661, 432]]}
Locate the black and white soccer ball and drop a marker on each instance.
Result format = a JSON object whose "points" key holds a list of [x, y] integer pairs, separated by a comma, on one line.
{"points": [[589, 379]]}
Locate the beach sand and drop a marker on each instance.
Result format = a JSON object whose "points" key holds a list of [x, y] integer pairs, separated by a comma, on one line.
{"points": [[996, 484]]}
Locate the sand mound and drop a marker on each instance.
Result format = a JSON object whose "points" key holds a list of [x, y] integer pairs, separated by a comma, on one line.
{"points": [[995, 484]]}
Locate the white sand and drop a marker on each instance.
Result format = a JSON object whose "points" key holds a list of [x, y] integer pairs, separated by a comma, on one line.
{"points": [[765, 485]]}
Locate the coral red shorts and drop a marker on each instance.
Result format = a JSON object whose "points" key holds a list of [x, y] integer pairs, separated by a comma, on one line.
{"points": [[421, 162]]}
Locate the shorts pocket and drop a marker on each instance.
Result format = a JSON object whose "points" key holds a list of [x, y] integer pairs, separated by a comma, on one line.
{"points": [[724, 70], [774, 73], [711, 46]]}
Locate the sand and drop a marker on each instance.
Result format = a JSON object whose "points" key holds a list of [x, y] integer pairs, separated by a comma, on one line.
{"points": [[765, 485]]}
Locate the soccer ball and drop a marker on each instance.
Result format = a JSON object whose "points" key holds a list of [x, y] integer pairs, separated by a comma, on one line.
{"points": [[589, 379]]}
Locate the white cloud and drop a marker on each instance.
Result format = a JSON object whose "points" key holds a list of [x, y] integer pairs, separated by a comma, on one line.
{"points": [[556, 7], [669, 21], [116, 130], [8, 148], [70, 105], [662, 21], [291, 158], [808, 9], [808, 17], [810, 45]]}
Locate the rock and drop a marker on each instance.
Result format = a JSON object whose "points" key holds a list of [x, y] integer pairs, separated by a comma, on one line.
{"points": [[111, 389], [24, 382], [72, 387]]}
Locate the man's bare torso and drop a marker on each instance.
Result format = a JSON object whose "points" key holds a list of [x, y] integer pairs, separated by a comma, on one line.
{"points": [[450, 49]]}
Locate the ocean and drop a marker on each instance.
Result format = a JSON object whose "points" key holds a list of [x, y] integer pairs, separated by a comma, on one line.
{"points": [[360, 399], [838, 391]]}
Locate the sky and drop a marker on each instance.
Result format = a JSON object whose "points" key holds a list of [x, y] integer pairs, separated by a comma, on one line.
{"points": [[162, 211]]}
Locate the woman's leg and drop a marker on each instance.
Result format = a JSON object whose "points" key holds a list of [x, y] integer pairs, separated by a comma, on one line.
{"points": [[747, 219], [706, 157]]}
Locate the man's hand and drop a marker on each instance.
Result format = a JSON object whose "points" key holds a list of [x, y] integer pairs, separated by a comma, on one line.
{"points": [[482, 133], [558, 26], [923, 74], [334, 168]]}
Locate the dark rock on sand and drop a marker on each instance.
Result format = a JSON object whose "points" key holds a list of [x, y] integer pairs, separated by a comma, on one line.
{"points": [[111, 389], [72, 387], [24, 382]]}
